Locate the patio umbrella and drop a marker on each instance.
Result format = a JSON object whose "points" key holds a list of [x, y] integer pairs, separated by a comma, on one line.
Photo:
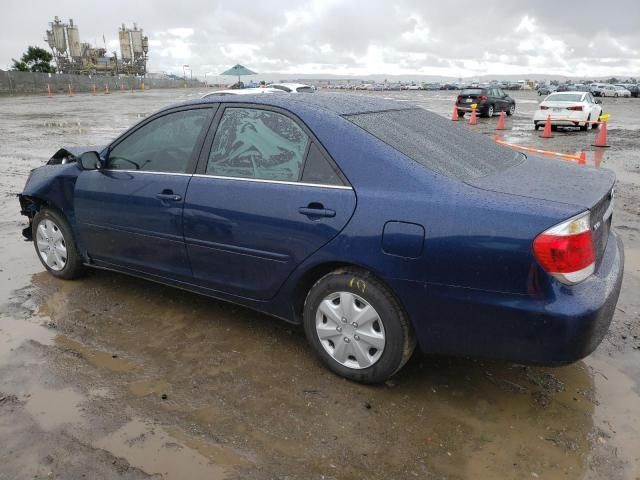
{"points": [[238, 70]]}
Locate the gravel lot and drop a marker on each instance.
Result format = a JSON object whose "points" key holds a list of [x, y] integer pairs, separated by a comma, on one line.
{"points": [[115, 377]]}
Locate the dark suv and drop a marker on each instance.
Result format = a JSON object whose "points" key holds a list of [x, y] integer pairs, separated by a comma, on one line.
{"points": [[489, 100]]}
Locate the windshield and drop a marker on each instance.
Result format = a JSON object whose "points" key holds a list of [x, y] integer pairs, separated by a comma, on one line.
{"points": [[570, 97], [432, 141]]}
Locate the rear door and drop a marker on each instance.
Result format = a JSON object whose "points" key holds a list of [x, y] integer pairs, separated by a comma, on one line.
{"points": [[130, 213], [265, 197]]}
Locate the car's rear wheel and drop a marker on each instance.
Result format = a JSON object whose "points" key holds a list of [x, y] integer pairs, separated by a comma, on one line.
{"points": [[357, 327], [586, 124], [511, 110], [461, 114], [490, 111], [55, 246], [536, 125]]}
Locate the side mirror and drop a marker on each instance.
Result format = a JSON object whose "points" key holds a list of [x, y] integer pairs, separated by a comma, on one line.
{"points": [[90, 161]]}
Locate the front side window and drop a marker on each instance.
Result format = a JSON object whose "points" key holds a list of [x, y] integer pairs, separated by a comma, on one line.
{"points": [[261, 144], [162, 145]]}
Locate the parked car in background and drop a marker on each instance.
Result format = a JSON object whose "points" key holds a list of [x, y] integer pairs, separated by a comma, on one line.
{"points": [[292, 87], [546, 89], [633, 88], [568, 109], [609, 91], [488, 100], [242, 91], [596, 88], [622, 91]]}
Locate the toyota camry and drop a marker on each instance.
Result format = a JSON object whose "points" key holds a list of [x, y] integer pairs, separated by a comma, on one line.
{"points": [[373, 224]]}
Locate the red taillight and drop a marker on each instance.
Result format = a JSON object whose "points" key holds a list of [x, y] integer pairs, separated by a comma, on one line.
{"points": [[544, 107], [575, 109], [566, 251], [483, 98]]}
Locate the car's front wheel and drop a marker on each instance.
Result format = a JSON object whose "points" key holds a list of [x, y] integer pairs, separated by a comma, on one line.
{"points": [[511, 110], [54, 243], [357, 327]]}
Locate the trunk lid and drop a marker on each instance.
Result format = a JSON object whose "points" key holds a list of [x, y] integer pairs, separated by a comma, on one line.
{"points": [[558, 181]]}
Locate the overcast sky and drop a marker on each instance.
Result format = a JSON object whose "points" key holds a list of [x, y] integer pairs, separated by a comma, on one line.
{"points": [[457, 38]]}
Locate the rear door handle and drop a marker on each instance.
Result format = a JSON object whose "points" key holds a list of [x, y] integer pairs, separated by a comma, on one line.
{"points": [[168, 197], [317, 212]]}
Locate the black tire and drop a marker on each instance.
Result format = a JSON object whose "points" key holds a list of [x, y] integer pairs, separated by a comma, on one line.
{"points": [[512, 109], [554, 128], [461, 114], [586, 125], [489, 112], [73, 267], [536, 126], [398, 333]]}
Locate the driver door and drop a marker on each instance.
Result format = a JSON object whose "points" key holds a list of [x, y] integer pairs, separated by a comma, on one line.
{"points": [[129, 213]]}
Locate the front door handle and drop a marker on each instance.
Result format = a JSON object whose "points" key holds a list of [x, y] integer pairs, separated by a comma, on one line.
{"points": [[168, 197], [317, 211]]}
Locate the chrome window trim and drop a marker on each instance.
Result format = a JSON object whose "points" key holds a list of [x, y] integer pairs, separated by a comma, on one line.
{"points": [[143, 171], [278, 182], [221, 177]]}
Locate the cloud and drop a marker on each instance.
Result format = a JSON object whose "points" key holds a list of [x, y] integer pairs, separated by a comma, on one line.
{"points": [[462, 38]]}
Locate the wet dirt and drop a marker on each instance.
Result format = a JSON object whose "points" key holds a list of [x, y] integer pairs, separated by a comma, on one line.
{"points": [[114, 377]]}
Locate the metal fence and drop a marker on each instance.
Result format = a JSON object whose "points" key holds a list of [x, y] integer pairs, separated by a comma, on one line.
{"points": [[21, 83]]}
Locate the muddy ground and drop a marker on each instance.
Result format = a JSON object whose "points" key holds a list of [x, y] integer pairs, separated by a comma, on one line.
{"points": [[114, 377]]}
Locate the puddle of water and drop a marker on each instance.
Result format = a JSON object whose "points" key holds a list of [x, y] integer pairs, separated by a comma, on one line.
{"points": [[95, 357], [52, 408], [14, 333], [173, 454], [148, 387], [617, 380]]}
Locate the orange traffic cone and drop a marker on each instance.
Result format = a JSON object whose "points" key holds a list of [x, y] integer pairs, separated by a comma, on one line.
{"points": [[454, 114], [70, 91], [546, 133], [106, 89], [500, 125], [601, 137], [474, 118], [583, 158], [48, 90]]}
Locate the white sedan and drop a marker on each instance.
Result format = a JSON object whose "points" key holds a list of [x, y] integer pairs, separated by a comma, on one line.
{"points": [[622, 92], [243, 91], [293, 87], [568, 109]]}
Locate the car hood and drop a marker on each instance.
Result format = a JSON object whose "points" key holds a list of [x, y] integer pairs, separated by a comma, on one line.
{"points": [[72, 153], [552, 180]]}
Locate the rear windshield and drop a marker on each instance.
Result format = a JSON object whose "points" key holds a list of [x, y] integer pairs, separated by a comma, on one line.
{"points": [[471, 91], [564, 98], [434, 142]]}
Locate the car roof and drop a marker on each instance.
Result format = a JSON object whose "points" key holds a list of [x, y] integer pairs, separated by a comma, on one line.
{"points": [[291, 85], [570, 92], [243, 91], [338, 103]]}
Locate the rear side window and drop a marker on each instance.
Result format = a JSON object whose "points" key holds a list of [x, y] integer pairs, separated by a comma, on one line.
{"points": [[261, 144], [432, 141], [318, 170], [304, 90]]}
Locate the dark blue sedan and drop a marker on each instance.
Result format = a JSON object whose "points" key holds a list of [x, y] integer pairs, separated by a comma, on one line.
{"points": [[375, 224]]}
